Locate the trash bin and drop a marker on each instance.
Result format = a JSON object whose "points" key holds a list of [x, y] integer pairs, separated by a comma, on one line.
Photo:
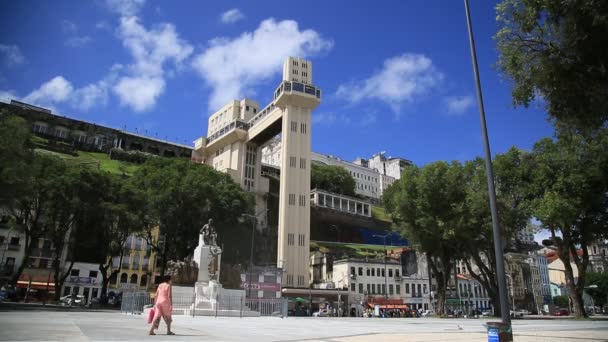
{"points": [[499, 332]]}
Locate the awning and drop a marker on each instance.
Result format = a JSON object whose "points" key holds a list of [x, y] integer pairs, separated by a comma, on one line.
{"points": [[39, 282], [389, 306]]}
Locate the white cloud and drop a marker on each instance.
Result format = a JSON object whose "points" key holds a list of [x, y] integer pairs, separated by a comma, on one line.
{"points": [[102, 25], [401, 80], [7, 95], [457, 105], [69, 27], [71, 30], [56, 90], [90, 96], [151, 50], [140, 93], [125, 7], [11, 54], [232, 66], [77, 41], [232, 16]]}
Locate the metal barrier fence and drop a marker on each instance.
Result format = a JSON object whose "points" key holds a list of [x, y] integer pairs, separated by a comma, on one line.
{"points": [[135, 302]]}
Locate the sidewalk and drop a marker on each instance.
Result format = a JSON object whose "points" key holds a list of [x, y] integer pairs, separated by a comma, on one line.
{"points": [[559, 336]]}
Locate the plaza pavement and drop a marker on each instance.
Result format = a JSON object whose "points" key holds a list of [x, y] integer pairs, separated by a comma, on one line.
{"points": [[35, 325]]}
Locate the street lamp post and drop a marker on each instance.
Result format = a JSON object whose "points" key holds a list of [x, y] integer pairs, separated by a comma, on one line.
{"points": [[498, 248], [254, 220], [385, 273]]}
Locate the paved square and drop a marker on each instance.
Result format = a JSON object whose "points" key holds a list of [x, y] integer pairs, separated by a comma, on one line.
{"points": [[31, 325]]}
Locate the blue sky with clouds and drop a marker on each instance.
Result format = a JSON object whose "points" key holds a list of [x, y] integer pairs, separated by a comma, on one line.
{"points": [[396, 76]]}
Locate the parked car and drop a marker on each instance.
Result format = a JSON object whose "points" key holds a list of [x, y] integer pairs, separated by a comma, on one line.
{"points": [[321, 313], [487, 313], [428, 313], [561, 312], [519, 313]]}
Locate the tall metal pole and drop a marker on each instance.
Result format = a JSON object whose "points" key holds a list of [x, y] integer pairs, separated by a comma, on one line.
{"points": [[500, 263], [251, 256]]}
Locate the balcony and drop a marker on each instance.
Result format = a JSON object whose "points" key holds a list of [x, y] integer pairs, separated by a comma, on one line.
{"points": [[13, 247], [144, 268], [125, 266], [397, 278]]}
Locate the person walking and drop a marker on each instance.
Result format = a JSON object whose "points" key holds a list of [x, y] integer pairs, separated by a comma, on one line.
{"points": [[163, 306]]}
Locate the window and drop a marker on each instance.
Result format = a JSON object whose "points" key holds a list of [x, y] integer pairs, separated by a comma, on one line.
{"points": [[367, 271], [373, 288], [75, 273], [352, 287], [390, 289], [303, 128], [383, 274], [369, 288], [67, 290], [246, 108], [378, 271], [92, 274], [360, 271], [390, 272], [419, 291], [398, 289], [292, 199], [360, 288], [373, 272], [290, 239], [14, 241], [302, 163], [352, 270], [292, 161], [396, 273], [407, 288], [383, 288], [294, 126], [424, 288]]}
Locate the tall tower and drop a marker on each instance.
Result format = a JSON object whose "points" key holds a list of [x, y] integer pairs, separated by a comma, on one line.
{"points": [[297, 98]]}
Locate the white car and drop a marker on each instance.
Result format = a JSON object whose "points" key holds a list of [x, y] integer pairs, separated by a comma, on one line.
{"points": [[519, 313], [428, 313], [320, 313]]}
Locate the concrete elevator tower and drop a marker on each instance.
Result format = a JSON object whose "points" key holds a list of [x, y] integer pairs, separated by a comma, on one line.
{"points": [[235, 136], [297, 99]]}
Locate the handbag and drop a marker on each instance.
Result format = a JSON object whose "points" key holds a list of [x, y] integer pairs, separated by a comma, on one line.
{"points": [[151, 315]]}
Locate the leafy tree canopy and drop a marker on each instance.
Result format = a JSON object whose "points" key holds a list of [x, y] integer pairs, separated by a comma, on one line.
{"points": [[332, 178], [555, 51]]}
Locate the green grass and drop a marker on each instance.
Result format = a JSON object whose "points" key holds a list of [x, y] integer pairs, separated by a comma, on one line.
{"points": [[349, 249], [379, 213], [96, 159]]}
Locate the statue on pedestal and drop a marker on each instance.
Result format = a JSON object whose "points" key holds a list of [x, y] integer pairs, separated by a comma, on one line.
{"points": [[209, 234]]}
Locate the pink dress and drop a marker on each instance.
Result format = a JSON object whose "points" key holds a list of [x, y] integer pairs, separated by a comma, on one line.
{"points": [[163, 304]]}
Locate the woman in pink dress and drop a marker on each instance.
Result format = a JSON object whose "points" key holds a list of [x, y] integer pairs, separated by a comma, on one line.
{"points": [[163, 306]]}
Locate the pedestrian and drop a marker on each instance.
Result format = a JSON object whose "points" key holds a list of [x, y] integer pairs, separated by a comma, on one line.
{"points": [[163, 306]]}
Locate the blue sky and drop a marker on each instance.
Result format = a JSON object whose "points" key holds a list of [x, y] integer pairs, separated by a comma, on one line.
{"points": [[396, 77]]}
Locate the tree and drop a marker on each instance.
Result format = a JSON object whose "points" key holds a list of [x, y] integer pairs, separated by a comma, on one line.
{"points": [[568, 195], [478, 242], [429, 203], [561, 301], [32, 205], [15, 156], [182, 196], [332, 178], [600, 292], [550, 51]]}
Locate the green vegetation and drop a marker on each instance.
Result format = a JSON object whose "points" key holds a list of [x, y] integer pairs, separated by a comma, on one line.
{"points": [[333, 179], [351, 250], [379, 213], [550, 51], [96, 160]]}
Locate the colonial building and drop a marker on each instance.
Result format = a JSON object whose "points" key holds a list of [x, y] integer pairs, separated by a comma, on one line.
{"points": [[84, 280], [83, 135], [138, 270]]}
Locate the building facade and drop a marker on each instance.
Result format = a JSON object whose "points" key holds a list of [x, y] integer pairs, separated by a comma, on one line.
{"points": [[84, 280], [11, 249], [138, 268]]}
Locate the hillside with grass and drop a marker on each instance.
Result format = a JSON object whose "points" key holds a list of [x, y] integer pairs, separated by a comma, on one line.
{"points": [[99, 160]]}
